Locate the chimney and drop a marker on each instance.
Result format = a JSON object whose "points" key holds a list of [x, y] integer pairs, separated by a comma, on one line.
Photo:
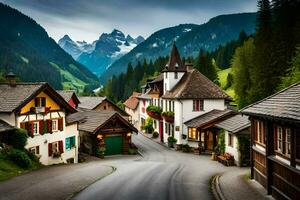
{"points": [[189, 66], [11, 79]]}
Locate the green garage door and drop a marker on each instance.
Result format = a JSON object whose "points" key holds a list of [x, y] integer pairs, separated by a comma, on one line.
{"points": [[114, 145]]}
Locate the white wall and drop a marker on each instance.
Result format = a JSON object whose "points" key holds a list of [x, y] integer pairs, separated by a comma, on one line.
{"points": [[170, 81], [134, 116], [233, 150]]}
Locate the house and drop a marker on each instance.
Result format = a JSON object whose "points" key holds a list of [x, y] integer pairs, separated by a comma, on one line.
{"points": [[275, 142], [39, 109], [237, 138], [182, 93], [201, 130], [132, 108], [99, 104], [70, 97], [108, 127]]}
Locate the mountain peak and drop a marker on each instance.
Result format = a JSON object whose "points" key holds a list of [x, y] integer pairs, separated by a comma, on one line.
{"points": [[66, 37]]}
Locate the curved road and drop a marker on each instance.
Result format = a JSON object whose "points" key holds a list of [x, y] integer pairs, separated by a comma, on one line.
{"points": [[160, 174]]}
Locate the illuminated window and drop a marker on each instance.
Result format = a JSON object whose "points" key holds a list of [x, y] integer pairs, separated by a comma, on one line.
{"points": [[193, 135]]}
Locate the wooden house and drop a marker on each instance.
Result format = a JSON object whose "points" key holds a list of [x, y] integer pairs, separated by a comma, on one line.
{"points": [[275, 142]]}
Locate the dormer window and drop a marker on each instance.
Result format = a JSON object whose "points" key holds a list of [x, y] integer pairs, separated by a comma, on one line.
{"points": [[40, 102], [176, 75], [176, 65]]}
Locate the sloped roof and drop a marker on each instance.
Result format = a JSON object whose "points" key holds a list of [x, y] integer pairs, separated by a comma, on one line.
{"points": [[207, 118], [90, 102], [235, 124], [90, 121], [174, 63], [5, 126], [132, 102], [194, 85], [158, 78], [14, 97], [284, 105], [68, 94]]}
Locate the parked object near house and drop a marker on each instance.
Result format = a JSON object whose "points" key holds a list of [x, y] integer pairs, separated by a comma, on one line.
{"points": [[99, 104], [275, 142], [39, 109], [103, 131], [132, 108], [70, 97], [237, 138]]}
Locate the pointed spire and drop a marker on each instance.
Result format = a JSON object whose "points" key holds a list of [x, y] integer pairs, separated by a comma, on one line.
{"points": [[175, 63]]}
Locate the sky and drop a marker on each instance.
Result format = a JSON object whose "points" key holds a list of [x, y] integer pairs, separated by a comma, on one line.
{"points": [[88, 19]]}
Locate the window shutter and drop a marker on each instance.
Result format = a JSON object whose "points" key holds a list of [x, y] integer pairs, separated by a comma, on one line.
{"points": [[49, 125], [283, 140], [43, 102], [201, 105], [41, 127], [275, 138], [30, 128], [36, 100], [22, 125], [45, 128], [60, 124], [50, 149], [60, 146], [197, 105]]}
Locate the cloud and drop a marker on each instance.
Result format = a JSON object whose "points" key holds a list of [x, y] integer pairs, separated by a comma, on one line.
{"points": [[83, 19]]}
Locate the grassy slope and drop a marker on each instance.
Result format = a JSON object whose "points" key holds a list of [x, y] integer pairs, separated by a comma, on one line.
{"points": [[223, 80]]}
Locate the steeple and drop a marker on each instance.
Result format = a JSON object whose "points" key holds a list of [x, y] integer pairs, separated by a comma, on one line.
{"points": [[175, 63]]}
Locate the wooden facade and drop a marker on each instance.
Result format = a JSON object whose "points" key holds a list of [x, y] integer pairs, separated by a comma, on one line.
{"points": [[275, 156]]}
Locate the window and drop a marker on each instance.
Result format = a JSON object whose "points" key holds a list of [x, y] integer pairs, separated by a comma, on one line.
{"points": [[166, 105], [165, 87], [193, 135], [170, 106], [104, 107], [230, 140], [55, 148], [260, 133], [35, 128], [166, 128], [198, 105], [279, 139], [176, 75], [288, 142], [173, 106], [40, 102], [55, 125], [154, 124], [70, 143], [166, 74], [35, 150]]}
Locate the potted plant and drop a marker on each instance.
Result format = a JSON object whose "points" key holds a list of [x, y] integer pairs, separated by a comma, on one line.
{"points": [[56, 154], [155, 134], [168, 116], [171, 141], [154, 112], [100, 151]]}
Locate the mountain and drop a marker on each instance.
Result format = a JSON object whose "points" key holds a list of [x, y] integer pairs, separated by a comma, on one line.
{"points": [[189, 38], [99, 55], [28, 51]]}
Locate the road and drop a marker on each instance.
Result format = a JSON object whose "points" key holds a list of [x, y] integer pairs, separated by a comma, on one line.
{"points": [[160, 174]]}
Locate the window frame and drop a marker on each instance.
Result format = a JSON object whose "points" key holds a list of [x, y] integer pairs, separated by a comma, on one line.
{"points": [[198, 105], [40, 102], [36, 128], [280, 139], [230, 140], [175, 75], [71, 142], [288, 142], [36, 150], [54, 121], [193, 134]]}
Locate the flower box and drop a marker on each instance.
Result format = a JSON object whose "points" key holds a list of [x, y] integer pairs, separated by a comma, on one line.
{"points": [[154, 115], [168, 116]]}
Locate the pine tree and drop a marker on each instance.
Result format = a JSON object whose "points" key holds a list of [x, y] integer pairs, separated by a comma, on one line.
{"points": [[205, 66]]}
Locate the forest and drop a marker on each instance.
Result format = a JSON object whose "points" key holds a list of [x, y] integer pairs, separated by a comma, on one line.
{"points": [[262, 64]]}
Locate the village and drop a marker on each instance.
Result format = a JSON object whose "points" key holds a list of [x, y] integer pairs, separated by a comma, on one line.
{"points": [[180, 130]]}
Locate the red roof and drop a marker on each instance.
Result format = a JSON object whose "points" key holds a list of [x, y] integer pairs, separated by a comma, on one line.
{"points": [[132, 102]]}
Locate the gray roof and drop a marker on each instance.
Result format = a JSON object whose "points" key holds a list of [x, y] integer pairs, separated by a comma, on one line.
{"points": [[5, 126], [91, 120], [206, 118], [66, 94], [90, 102], [235, 124], [284, 105], [11, 97]]}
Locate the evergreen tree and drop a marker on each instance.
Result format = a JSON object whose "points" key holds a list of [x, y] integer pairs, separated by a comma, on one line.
{"points": [[205, 66]]}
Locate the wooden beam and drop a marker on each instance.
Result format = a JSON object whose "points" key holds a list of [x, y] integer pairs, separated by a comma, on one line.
{"points": [[293, 147], [269, 152], [252, 131]]}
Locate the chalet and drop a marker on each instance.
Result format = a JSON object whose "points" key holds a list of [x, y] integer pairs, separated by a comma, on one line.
{"points": [[103, 127], [237, 138], [275, 142], [70, 97], [99, 104], [181, 93], [39, 109], [132, 108]]}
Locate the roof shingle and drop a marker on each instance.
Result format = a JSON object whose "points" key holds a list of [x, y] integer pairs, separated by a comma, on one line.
{"points": [[132, 102], [90, 102], [234, 124]]}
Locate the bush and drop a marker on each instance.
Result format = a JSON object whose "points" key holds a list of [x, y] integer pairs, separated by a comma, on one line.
{"points": [[17, 138], [168, 114], [186, 148], [149, 125], [155, 109], [171, 139], [20, 158], [155, 134]]}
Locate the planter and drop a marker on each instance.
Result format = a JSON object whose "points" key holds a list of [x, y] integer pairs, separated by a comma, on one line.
{"points": [[168, 119], [154, 115], [213, 156]]}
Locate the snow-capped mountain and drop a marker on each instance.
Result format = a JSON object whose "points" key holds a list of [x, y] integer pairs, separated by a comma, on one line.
{"points": [[99, 55]]}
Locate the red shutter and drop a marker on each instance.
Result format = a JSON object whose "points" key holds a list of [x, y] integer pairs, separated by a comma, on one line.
{"points": [[22, 125], [49, 126], [60, 146], [41, 126], [50, 149], [60, 124], [30, 128]]}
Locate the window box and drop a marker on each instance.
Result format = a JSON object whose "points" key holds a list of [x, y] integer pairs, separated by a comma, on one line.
{"points": [[154, 112], [168, 116]]}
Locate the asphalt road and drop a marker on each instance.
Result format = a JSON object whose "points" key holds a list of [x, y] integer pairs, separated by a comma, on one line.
{"points": [[160, 174]]}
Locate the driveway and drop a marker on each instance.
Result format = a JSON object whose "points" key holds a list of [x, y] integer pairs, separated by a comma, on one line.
{"points": [[160, 174]]}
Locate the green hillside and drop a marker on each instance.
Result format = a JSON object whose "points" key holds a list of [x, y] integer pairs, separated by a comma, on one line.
{"points": [[223, 74]]}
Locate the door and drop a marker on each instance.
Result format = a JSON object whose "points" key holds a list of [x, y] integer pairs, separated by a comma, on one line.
{"points": [[161, 131], [113, 145]]}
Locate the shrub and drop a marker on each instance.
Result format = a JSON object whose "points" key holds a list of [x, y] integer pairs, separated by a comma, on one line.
{"points": [[17, 138], [20, 158], [186, 148], [168, 114], [155, 109], [171, 139], [155, 134], [149, 125]]}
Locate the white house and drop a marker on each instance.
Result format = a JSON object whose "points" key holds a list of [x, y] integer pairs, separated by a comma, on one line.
{"points": [[132, 108], [183, 93], [237, 128], [40, 110]]}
